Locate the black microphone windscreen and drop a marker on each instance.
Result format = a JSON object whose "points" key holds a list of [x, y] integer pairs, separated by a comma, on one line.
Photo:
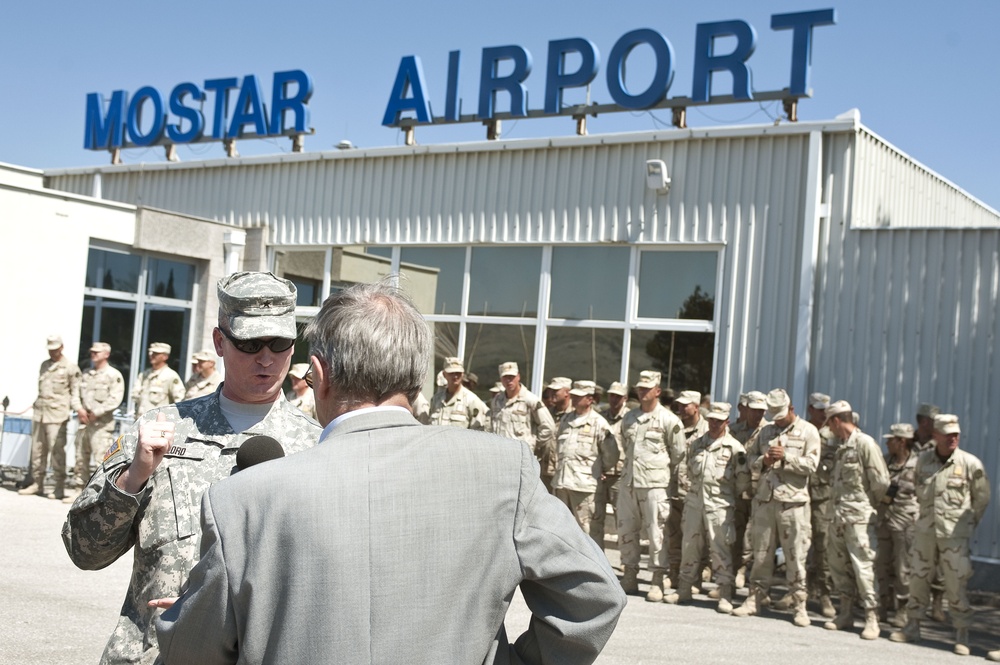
{"points": [[257, 449]]}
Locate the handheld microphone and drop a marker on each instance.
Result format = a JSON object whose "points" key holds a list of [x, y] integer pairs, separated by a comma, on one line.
{"points": [[257, 449]]}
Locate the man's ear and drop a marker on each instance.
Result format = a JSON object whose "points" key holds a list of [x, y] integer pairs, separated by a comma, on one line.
{"points": [[217, 341], [321, 383]]}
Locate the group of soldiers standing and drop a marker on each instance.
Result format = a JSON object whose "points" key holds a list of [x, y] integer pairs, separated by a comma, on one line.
{"points": [[715, 499]]}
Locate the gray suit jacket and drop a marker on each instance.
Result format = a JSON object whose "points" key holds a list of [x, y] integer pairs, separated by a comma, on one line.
{"points": [[391, 542]]}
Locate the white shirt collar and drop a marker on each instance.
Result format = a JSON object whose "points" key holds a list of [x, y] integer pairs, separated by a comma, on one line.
{"points": [[357, 412]]}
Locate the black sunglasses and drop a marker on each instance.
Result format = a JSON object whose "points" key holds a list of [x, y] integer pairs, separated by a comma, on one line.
{"points": [[308, 376], [276, 344]]}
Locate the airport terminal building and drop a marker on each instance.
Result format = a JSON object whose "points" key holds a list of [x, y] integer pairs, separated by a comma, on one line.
{"points": [[813, 256]]}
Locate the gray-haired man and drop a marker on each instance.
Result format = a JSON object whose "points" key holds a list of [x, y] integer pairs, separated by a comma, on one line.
{"points": [[145, 495]]}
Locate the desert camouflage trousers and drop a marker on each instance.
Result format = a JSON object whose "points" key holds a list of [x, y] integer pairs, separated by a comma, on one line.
{"points": [[48, 446], [742, 549], [581, 504], [707, 535], [642, 511], [950, 557], [91, 440], [892, 563], [606, 494], [777, 523], [818, 577], [850, 553], [675, 534]]}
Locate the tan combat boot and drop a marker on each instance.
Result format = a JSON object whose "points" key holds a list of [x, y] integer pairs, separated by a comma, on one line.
{"points": [[630, 580], [725, 605], [962, 641], [749, 607], [993, 656], [910, 633], [845, 618], [58, 493], [655, 594], [784, 603], [871, 630], [741, 577], [901, 618], [679, 596], [826, 606], [33, 488]]}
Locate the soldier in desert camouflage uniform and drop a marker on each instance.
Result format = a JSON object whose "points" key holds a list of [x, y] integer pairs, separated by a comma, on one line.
{"points": [[607, 485], [204, 379], [455, 405], [301, 395], [718, 473], [146, 495], [953, 491], [517, 413], [159, 385], [785, 454], [897, 519], [688, 405], [818, 572], [858, 483], [755, 405]]}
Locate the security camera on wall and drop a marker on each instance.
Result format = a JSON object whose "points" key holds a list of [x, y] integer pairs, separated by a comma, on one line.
{"points": [[656, 176]]}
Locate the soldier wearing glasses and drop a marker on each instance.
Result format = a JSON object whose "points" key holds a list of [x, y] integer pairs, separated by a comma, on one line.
{"points": [[147, 493]]}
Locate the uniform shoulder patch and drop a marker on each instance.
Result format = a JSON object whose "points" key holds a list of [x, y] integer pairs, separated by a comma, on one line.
{"points": [[115, 448], [741, 458], [977, 474]]}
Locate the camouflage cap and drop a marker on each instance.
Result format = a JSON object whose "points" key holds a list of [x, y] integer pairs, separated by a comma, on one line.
{"points": [[159, 347], [205, 355], [508, 369], [719, 411], [618, 388], [819, 401], [928, 410], [452, 365], [946, 423], [97, 347], [756, 400], [497, 388], [742, 401], [298, 370], [472, 377], [900, 430], [560, 382], [257, 304], [837, 408], [53, 342], [648, 379], [777, 404], [689, 397], [583, 388]]}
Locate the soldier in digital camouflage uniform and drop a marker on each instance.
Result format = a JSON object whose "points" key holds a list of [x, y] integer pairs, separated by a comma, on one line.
{"points": [[607, 485], [754, 407], [146, 495], [58, 395], [517, 413], [818, 578], [653, 441], [455, 405], [785, 454], [204, 379], [897, 519], [953, 491], [102, 389], [585, 446], [858, 483], [159, 385], [718, 473], [688, 405]]}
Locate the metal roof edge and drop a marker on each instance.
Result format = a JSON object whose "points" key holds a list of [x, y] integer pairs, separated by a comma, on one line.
{"points": [[68, 196]]}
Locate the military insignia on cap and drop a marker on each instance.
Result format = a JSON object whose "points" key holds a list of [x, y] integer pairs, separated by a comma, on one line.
{"points": [[115, 448]]}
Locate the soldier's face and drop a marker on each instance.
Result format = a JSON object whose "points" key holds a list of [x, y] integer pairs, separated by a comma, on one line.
{"points": [[511, 383], [615, 401], [716, 427], [689, 410], [925, 426], [55, 353], [157, 360], [946, 444], [252, 378], [98, 358], [561, 396], [754, 416], [648, 397], [453, 380], [581, 402]]}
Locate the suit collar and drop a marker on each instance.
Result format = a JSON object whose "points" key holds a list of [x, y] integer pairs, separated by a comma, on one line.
{"points": [[379, 418]]}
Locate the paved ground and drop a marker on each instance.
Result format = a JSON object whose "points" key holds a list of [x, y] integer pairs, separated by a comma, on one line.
{"points": [[53, 614]]}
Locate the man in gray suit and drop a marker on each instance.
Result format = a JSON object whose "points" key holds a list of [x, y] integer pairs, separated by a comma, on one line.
{"points": [[390, 541]]}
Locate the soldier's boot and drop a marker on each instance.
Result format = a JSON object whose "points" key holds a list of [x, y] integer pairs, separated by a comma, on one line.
{"points": [[655, 594], [58, 492], [845, 618], [883, 612], [630, 580], [33, 488], [993, 656], [679, 596], [962, 641], [909, 633], [826, 606], [871, 630], [741, 578], [786, 602], [725, 605], [715, 593], [750, 606], [801, 618], [901, 619], [937, 607]]}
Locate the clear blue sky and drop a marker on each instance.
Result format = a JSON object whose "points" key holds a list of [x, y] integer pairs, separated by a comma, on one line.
{"points": [[925, 76]]}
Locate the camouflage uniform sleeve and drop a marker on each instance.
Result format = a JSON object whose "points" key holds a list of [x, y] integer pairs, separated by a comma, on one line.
{"points": [[876, 473], [103, 522], [806, 462], [476, 413], [677, 450], [755, 461], [741, 469], [609, 449], [176, 390], [980, 492], [75, 376], [117, 393], [546, 437]]}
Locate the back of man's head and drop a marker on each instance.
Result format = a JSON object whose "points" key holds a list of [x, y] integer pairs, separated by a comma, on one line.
{"points": [[373, 343]]}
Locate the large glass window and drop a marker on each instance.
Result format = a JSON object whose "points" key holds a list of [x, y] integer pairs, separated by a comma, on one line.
{"points": [[683, 359], [503, 281], [433, 276], [589, 283], [170, 279], [488, 345], [113, 271], [590, 354], [677, 285]]}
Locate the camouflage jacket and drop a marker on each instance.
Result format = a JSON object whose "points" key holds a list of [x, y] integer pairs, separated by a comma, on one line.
{"points": [[58, 391], [679, 482], [654, 447], [161, 522], [463, 409], [101, 392], [899, 508], [525, 418], [306, 404], [859, 479], [718, 472], [156, 388], [788, 479], [615, 420], [819, 482], [585, 446], [953, 494], [199, 386]]}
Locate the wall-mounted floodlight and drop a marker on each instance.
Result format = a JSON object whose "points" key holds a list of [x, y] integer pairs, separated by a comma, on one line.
{"points": [[656, 176]]}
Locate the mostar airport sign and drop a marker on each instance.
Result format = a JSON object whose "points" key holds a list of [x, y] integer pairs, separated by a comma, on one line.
{"points": [[142, 120]]}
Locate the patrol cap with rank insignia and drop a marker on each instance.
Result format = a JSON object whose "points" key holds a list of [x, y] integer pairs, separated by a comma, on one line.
{"points": [[583, 388], [618, 388], [160, 347], [719, 411], [257, 304], [453, 366], [946, 423], [508, 369], [756, 400], [648, 379]]}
